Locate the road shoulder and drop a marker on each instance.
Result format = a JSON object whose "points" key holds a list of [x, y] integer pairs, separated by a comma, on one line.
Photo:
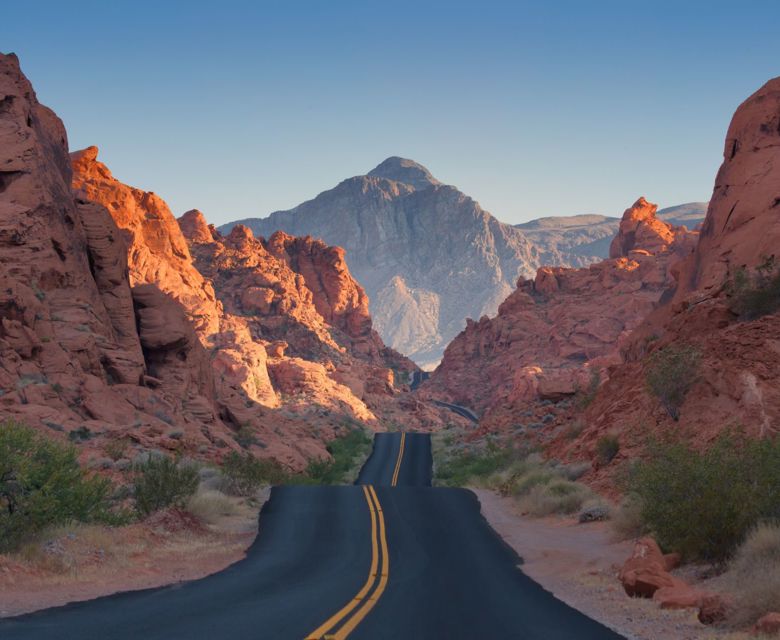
{"points": [[578, 563], [86, 562]]}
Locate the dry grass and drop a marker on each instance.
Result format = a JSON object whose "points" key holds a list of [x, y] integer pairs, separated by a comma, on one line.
{"points": [[556, 496], [626, 520], [211, 506], [753, 576]]}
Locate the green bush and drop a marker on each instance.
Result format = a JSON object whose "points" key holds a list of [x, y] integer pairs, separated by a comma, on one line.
{"points": [[347, 452], [757, 294], [163, 482], [246, 437], [670, 374], [607, 447], [467, 467], [245, 474], [702, 503], [42, 484]]}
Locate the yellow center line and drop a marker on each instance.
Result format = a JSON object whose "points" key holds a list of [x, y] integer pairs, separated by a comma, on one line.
{"points": [[369, 604], [331, 622], [398, 462]]}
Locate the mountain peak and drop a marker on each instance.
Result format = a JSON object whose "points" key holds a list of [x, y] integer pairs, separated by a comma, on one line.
{"points": [[406, 171]]}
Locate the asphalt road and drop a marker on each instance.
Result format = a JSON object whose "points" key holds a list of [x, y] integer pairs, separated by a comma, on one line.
{"points": [[395, 559]]}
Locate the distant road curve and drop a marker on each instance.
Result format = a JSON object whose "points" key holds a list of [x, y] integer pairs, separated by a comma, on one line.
{"points": [[461, 411]]}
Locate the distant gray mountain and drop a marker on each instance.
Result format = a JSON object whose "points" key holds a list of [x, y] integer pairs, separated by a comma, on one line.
{"points": [[430, 257]]}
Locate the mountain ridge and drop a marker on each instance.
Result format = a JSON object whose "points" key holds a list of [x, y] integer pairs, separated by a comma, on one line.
{"points": [[418, 245]]}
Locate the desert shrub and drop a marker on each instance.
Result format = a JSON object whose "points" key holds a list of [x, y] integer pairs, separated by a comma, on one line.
{"points": [[468, 467], [209, 505], [246, 437], [162, 482], [670, 374], [347, 453], [753, 575], [116, 449], [756, 294], [42, 484], [575, 470], [587, 395], [574, 429], [558, 496], [607, 448], [702, 503], [627, 520], [244, 474]]}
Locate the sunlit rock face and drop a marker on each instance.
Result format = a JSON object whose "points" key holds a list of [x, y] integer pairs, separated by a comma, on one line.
{"points": [[554, 333]]}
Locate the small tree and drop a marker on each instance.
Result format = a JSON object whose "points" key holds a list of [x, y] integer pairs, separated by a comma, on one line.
{"points": [[756, 294], [163, 482], [670, 374], [42, 484], [607, 447]]}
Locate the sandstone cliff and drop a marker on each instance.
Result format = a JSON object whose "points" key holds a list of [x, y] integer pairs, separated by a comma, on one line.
{"points": [[109, 330], [555, 333], [738, 381]]}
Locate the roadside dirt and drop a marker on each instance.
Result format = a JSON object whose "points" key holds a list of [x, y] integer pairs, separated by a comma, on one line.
{"points": [[82, 562], [579, 563]]}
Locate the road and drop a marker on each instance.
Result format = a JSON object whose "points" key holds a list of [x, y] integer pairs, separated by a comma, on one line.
{"points": [[390, 558]]}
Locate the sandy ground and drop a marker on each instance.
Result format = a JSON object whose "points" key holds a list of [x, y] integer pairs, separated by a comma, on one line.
{"points": [[579, 563], [82, 562]]}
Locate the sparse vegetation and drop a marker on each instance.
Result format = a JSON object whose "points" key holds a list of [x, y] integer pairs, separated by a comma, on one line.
{"points": [[42, 484], [670, 374], [245, 474], [586, 396], [755, 294], [210, 505], [162, 482], [753, 575], [607, 447], [703, 503], [348, 452], [246, 437], [540, 487], [116, 448]]}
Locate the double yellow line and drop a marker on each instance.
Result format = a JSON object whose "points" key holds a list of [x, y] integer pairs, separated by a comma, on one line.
{"points": [[343, 622], [365, 599], [398, 462]]}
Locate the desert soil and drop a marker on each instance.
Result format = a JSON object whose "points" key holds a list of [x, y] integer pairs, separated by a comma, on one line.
{"points": [[579, 563]]}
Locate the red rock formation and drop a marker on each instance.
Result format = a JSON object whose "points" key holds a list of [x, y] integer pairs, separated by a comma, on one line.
{"points": [[108, 330], [73, 358], [555, 332], [738, 382]]}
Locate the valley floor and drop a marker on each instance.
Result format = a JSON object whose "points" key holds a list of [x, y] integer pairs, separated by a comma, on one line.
{"points": [[579, 563]]}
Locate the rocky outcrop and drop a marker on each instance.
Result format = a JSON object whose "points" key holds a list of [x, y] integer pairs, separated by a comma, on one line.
{"points": [[81, 350], [579, 241], [556, 333], [416, 245], [109, 331], [737, 382]]}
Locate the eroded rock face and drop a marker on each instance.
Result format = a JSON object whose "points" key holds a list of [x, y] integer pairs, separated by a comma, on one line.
{"points": [[738, 377], [554, 333], [109, 331], [73, 357]]}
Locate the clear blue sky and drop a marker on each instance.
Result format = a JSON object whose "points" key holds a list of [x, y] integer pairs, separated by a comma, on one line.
{"points": [[532, 108]]}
